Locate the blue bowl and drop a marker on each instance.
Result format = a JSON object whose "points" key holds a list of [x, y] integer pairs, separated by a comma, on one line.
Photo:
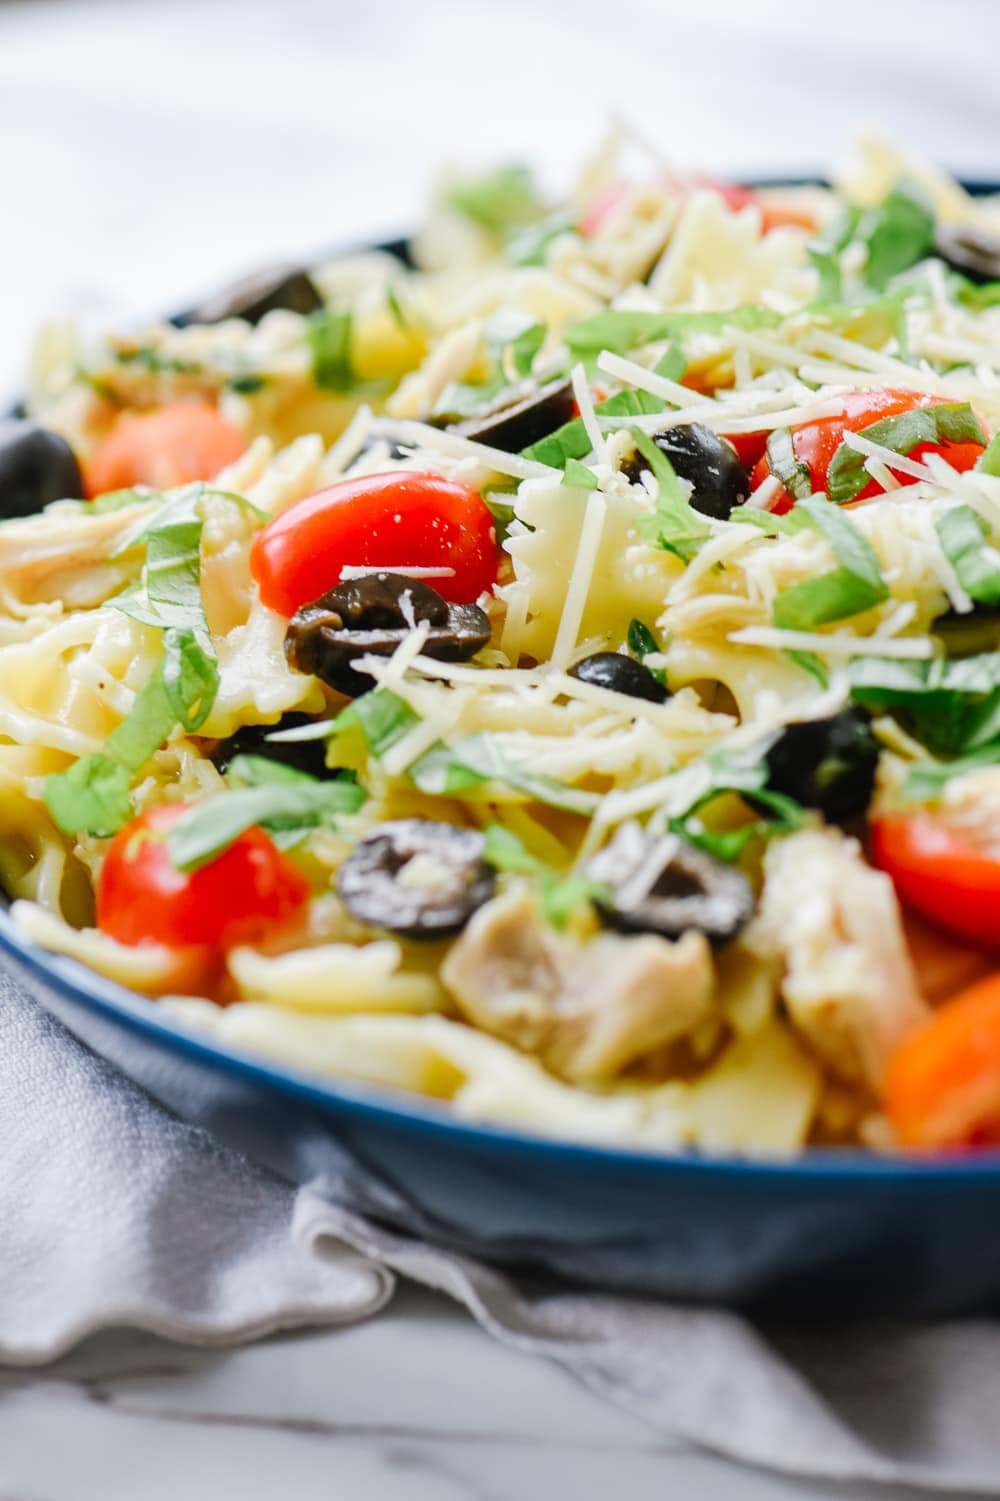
{"points": [[831, 1233]]}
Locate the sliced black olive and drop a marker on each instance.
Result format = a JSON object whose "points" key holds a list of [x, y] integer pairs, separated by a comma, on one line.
{"points": [[416, 877], [36, 466], [512, 426], [609, 669], [829, 764], [301, 755], [709, 463], [971, 634], [287, 287], [371, 616], [967, 248], [393, 451], [660, 883]]}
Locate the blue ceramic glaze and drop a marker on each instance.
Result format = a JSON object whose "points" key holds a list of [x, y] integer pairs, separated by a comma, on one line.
{"points": [[829, 1233]]}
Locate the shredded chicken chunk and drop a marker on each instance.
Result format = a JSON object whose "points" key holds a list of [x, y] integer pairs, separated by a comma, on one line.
{"points": [[849, 983], [66, 555], [587, 1010]]}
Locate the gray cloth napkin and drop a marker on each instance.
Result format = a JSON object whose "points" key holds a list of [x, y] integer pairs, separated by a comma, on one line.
{"points": [[112, 1212]]}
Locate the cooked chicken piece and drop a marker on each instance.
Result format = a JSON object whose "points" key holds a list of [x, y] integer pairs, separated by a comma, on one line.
{"points": [[587, 1010], [944, 963], [67, 555], [849, 984]]}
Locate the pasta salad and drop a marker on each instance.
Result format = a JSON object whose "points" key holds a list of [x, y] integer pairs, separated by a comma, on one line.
{"points": [[555, 673]]}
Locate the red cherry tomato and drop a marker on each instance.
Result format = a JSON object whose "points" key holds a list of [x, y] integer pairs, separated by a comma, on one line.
{"points": [[600, 208], [171, 446], [377, 521], [940, 873], [815, 443], [248, 891], [942, 1086], [749, 448], [773, 211]]}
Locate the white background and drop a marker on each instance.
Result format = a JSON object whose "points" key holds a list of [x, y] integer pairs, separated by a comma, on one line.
{"points": [[150, 147]]}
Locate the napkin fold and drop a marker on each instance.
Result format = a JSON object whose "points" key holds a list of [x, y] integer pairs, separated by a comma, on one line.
{"points": [[113, 1212]]}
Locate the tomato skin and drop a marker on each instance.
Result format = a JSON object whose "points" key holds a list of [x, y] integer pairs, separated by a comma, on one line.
{"points": [[942, 1086], [251, 889], [940, 874], [773, 213], [377, 521], [815, 443], [749, 449], [173, 445]]}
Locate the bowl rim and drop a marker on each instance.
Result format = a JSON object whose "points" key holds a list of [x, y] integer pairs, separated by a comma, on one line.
{"points": [[846, 1167], [137, 1013]]}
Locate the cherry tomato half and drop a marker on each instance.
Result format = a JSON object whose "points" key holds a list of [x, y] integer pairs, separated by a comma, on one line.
{"points": [[171, 446], [774, 212], [815, 443], [942, 1086], [377, 521], [941, 874], [251, 889], [749, 447]]}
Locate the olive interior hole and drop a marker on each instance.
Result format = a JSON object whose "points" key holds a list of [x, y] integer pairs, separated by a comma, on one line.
{"points": [[678, 883]]}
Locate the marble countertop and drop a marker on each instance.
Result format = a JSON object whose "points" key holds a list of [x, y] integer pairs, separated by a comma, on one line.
{"points": [[417, 1405], [147, 151]]}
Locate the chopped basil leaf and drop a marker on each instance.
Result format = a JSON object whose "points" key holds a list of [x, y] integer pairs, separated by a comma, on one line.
{"points": [[329, 335], [319, 729], [809, 662], [579, 475], [395, 307], [190, 679], [784, 465], [954, 422], [511, 332], [641, 644], [619, 331], [926, 780], [247, 384], [989, 459], [641, 641], [145, 729], [977, 566], [898, 233], [975, 295], [260, 771], [384, 718], [571, 441], [92, 795], [118, 500], [825, 252], [283, 808], [743, 771], [951, 707], [559, 896], [857, 585], [478, 759], [500, 200], [527, 247], [674, 524], [461, 398], [672, 364], [767, 521], [171, 591]]}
